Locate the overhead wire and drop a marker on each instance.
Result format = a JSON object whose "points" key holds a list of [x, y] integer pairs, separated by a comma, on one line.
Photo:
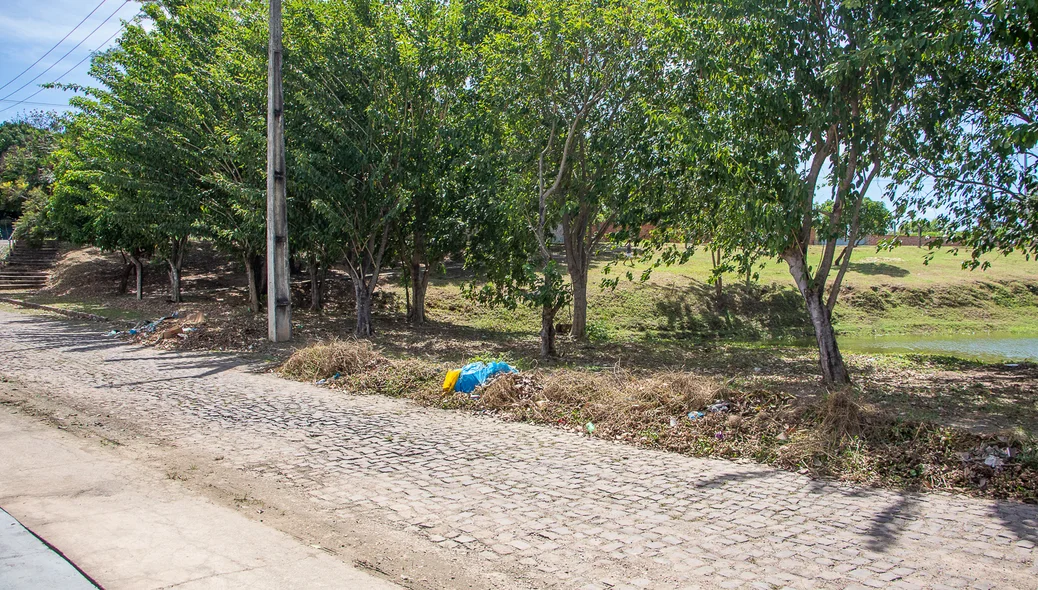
{"points": [[69, 52], [39, 104], [68, 71], [67, 35]]}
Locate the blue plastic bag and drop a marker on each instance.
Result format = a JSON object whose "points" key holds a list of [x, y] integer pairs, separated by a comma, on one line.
{"points": [[475, 374]]}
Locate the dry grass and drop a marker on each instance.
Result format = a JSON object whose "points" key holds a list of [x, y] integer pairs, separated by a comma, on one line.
{"points": [[321, 361], [614, 401], [839, 418]]}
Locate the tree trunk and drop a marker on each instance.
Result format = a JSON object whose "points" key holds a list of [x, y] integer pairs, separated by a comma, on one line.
{"points": [[580, 240], [138, 266], [716, 258], [259, 270], [834, 371], [364, 326], [174, 282], [124, 282], [250, 277], [176, 263], [548, 332], [316, 284], [419, 286], [578, 279]]}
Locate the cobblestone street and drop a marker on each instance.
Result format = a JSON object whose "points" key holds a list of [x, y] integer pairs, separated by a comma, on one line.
{"points": [[543, 507]]}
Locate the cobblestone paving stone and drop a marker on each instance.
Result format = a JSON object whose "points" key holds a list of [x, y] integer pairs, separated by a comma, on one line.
{"points": [[555, 509]]}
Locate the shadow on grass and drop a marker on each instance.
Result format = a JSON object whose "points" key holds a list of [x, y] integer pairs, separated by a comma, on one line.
{"points": [[878, 268], [757, 313], [967, 394]]}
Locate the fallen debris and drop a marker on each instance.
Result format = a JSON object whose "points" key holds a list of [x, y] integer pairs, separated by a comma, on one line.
{"points": [[473, 375], [719, 407]]}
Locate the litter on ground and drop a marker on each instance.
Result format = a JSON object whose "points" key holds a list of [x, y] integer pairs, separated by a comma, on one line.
{"points": [[473, 375]]}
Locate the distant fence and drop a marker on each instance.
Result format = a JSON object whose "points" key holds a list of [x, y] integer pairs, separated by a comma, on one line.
{"points": [[905, 240], [875, 240]]}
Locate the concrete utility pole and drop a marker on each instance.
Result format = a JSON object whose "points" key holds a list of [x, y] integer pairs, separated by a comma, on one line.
{"points": [[279, 297]]}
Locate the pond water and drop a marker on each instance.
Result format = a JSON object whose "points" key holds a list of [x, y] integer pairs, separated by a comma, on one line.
{"points": [[985, 347]]}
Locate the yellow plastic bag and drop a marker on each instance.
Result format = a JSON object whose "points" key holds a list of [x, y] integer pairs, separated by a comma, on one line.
{"points": [[451, 380]]}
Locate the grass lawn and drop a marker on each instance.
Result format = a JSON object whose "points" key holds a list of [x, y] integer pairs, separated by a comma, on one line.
{"points": [[885, 293]]}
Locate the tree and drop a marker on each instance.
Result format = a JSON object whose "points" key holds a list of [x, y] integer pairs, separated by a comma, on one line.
{"points": [[26, 170], [568, 79], [920, 227], [438, 60], [797, 97], [143, 154], [230, 130], [178, 131], [87, 209], [875, 219], [350, 97], [967, 149]]}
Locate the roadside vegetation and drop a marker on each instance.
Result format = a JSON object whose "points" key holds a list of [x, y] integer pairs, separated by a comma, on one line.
{"points": [[517, 139], [753, 416], [906, 422]]}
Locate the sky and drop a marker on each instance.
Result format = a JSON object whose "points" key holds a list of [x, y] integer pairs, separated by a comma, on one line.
{"points": [[28, 28]]}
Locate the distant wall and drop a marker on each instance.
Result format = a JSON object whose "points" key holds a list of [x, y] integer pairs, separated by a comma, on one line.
{"points": [[905, 240], [875, 240]]}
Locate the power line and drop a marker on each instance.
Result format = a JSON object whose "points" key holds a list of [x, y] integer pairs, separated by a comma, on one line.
{"points": [[38, 104], [68, 71], [49, 68], [74, 29]]}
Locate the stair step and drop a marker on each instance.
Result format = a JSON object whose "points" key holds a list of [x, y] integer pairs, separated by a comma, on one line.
{"points": [[28, 268]]}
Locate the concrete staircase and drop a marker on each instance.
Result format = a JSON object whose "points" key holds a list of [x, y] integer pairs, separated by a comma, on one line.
{"points": [[26, 268]]}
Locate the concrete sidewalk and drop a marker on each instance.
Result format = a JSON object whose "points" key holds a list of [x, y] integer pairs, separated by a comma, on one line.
{"points": [[129, 527], [27, 562]]}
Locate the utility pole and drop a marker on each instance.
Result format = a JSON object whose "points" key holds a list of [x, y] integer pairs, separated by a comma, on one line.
{"points": [[279, 297]]}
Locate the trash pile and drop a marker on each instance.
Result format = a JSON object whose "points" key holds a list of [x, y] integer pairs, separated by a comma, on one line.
{"points": [[333, 378], [993, 457], [982, 464], [468, 378], [191, 323]]}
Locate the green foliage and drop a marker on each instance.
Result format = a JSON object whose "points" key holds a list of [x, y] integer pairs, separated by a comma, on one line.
{"points": [[874, 220], [968, 147], [26, 170], [487, 131]]}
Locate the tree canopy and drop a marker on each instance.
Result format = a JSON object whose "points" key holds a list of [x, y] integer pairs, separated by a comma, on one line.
{"points": [[516, 136]]}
